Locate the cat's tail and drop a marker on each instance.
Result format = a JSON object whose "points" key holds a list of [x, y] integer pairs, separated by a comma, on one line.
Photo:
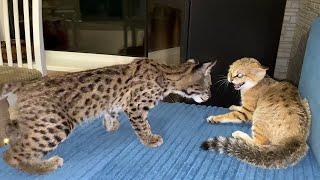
{"points": [[267, 156]]}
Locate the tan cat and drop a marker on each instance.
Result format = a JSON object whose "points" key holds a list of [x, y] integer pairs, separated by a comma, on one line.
{"points": [[280, 120]]}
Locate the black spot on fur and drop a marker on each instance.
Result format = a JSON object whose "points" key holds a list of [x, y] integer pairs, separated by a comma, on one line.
{"points": [[128, 80], [84, 89], [146, 108], [59, 127], [61, 115], [42, 145], [60, 91], [57, 138], [97, 80], [119, 80], [77, 96], [50, 130], [90, 87], [88, 102], [67, 131], [74, 113], [39, 125], [95, 97], [138, 67], [115, 87], [46, 138], [107, 80], [35, 139], [65, 123], [51, 144], [100, 88]]}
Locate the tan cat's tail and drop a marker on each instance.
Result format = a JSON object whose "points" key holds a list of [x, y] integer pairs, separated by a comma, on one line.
{"points": [[261, 156]]}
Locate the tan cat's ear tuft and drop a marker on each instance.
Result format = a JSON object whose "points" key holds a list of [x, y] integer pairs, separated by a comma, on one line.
{"points": [[260, 72]]}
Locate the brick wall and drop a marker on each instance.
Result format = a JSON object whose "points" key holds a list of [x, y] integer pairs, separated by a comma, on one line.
{"points": [[309, 10], [286, 39], [299, 15]]}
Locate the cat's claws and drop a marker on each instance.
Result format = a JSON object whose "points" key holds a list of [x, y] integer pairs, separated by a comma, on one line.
{"points": [[211, 119]]}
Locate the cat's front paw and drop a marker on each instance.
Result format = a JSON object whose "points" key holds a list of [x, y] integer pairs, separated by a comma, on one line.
{"points": [[234, 108], [111, 125], [153, 141], [213, 119]]}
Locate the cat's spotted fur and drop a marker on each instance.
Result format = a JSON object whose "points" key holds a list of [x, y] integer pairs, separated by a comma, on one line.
{"points": [[280, 120], [46, 111]]}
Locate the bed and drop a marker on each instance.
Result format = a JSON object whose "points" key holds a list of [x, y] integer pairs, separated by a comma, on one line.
{"points": [[93, 153]]}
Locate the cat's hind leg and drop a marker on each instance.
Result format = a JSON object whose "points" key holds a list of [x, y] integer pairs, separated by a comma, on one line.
{"points": [[257, 138], [31, 162]]}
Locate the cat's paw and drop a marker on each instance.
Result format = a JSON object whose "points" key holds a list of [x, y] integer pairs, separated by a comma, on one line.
{"points": [[57, 161], [240, 134], [212, 120], [234, 108], [111, 125], [153, 141]]}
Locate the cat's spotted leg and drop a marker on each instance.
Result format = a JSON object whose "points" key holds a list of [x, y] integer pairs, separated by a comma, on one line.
{"points": [[138, 116], [111, 122], [34, 165]]}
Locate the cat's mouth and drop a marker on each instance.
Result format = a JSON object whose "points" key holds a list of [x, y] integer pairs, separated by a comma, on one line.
{"points": [[238, 86]]}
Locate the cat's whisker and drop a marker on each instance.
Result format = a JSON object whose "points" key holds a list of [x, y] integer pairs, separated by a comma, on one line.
{"points": [[220, 81]]}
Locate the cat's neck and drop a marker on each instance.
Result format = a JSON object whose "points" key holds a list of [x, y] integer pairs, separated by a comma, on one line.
{"points": [[255, 88]]}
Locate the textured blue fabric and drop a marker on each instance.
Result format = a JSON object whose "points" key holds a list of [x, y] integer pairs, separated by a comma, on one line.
{"points": [[310, 84], [92, 153]]}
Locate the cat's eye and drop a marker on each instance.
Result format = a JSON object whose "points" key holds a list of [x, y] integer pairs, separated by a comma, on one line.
{"points": [[240, 75]]}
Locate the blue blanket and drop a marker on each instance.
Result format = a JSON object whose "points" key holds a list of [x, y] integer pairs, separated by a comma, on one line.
{"points": [[92, 153]]}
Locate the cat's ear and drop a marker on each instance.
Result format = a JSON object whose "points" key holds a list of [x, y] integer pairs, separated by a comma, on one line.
{"points": [[260, 71], [160, 80], [206, 67]]}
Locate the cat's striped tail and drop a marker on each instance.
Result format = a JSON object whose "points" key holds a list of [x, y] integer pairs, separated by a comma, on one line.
{"points": [[267, 156]]}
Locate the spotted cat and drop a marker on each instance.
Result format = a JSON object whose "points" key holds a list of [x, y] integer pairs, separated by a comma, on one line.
{"points": [[280, 119], [46, 111]]}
